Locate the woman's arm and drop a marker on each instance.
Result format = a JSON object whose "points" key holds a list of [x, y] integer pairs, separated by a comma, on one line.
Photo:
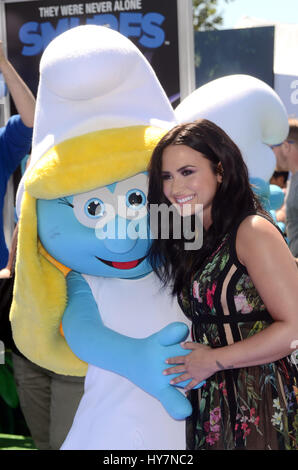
{"points": [[272, 268]]}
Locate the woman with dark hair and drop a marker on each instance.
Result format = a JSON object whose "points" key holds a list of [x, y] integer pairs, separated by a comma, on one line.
{"points": [[240, 289]]}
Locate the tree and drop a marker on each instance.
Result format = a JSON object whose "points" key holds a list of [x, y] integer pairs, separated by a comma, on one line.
{"points": [[206, 14]]}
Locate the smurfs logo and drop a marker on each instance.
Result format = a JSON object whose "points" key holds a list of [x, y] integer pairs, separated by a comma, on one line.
{"points": [[123, 16]]}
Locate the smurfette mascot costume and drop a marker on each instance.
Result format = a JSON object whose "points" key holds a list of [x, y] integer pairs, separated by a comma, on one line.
{"points": [[100, 112]]}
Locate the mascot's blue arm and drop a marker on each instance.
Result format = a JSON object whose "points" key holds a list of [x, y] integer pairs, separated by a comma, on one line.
{"points": [[140, 360]]}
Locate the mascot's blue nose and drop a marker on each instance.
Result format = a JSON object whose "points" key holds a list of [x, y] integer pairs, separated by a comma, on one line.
{"points": [[120, 238], [119, 246]]}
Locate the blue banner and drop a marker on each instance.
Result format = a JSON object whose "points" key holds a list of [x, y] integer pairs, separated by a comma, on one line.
{"points": [[151, 24]]}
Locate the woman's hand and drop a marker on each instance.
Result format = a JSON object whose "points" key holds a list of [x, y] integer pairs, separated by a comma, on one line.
{"points": [[5, 273], [196, 366]]}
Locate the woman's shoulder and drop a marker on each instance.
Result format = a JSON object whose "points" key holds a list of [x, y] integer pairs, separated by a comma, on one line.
{"points": [[256, 234], [256, 224], [248, 225]]}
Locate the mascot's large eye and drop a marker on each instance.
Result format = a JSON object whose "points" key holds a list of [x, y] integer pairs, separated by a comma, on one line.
{"points": [[135, 199], [94, 208]]}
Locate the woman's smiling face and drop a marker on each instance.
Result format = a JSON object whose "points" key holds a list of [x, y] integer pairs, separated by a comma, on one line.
{"points": [[189, 179]]}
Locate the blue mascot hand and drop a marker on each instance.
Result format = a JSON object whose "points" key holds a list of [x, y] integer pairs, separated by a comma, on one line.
{"points": [[142, 361], [172, 334], [147, 370]]}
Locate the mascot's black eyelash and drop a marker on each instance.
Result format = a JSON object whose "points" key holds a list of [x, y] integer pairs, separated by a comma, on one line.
{"points": [[64, 200]]}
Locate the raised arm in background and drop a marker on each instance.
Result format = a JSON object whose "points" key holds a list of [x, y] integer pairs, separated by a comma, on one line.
{"points": [[20, 93]]}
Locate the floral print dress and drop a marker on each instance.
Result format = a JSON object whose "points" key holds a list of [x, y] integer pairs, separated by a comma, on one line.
{"points": [[248, 408]]}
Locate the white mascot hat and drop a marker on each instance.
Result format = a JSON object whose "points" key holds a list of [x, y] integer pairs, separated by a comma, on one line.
{"points": [[93, 78], [104, 82]]}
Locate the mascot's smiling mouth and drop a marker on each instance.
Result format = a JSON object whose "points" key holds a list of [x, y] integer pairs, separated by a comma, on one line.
{"points": [[122, 265]]}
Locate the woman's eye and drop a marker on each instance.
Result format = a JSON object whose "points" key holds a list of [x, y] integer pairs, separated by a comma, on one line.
{"points": [[186, 172], [94, 208], [135, 198]]}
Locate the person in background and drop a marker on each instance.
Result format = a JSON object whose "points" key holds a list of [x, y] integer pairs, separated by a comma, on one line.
{"points": [[15, 136], [280, 178], [287, 160], [240, 289]]}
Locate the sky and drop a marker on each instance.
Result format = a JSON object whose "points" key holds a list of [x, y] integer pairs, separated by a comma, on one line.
{"points": [[285, 11]]}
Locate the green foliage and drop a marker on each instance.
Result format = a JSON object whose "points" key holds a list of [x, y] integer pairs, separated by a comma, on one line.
{"points": [[8, 396], [206, 14], [11, 417], [8, 391], [11, 442]]}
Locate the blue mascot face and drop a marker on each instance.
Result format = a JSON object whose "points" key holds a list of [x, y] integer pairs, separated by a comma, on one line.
{"points": [[103, 232]]}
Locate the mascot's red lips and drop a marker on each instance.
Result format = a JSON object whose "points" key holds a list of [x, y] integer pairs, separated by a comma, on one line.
{"points": [[123, 264]]}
